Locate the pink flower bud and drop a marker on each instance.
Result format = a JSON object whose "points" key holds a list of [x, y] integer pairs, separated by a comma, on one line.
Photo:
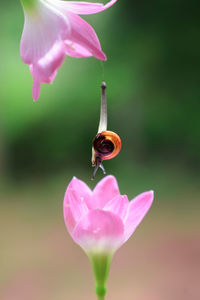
{"points": [[102, 220]]}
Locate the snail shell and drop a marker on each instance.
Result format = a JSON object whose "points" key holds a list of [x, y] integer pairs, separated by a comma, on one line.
{"points": [[106, 145]]}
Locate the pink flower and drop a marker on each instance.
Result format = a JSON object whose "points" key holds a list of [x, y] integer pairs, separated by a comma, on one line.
{"points": [[102, 220], [52, 30]]}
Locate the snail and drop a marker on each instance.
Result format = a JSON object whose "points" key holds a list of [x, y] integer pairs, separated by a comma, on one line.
{"points": [[106, 144]]}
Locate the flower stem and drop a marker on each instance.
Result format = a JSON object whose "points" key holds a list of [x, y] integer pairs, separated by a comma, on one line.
{"points": [[101, 265], [101, 292]]}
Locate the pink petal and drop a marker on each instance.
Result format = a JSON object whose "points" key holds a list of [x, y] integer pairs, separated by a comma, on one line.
{"points": [[84, 35], [42, 29], [44, 71], [105, 191], [49, 63], [36, 89], [138, 208], [84, 8], [109, 4], [75, 50], [75, 207], [80, 190], [99, 231], [68, 217], [118, 206]]}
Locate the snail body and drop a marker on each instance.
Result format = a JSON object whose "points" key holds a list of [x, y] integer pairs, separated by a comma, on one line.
{"points": [[106, 144]]}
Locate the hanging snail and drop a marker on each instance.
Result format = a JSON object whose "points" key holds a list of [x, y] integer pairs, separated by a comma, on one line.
{"points": [[106, 144]]}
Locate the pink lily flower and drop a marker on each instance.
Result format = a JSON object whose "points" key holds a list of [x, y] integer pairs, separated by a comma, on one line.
{"points": [[52, 30], [102, 220]]}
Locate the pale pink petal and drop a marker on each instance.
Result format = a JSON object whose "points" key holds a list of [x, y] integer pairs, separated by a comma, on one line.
{"points": [[109, 4], [68, 217], [82, 8], [84, 35], [105, 191], [43, 27], [78, 207], [118, 206], [138, 208], [75, 50], [75, 202], [80, 190], [50, 62], [36, 89], [44, 71], [99, 231]]}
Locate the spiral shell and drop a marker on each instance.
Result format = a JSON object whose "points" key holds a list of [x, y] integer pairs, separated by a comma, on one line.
{"points": [[106, 145]]}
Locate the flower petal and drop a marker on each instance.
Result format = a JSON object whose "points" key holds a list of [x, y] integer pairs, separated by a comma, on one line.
{"points": [[44, 71], [137, 209], [99, 231], [75, 206], [84, 35], [36, 89], [82, 8], [105, 191], [118, 206], [43, 27], [75, 50]]}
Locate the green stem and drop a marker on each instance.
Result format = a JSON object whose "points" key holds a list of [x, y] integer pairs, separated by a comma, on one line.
{"points": [[100, 291], [100, 265]]}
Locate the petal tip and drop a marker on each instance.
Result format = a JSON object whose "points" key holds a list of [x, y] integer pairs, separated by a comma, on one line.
{"points": [[73, 180], [109, 4], [151, 194], [103, 56], [108, 178]]}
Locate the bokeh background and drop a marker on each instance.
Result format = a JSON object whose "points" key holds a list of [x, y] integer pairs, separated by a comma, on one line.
{"points": [[152, 74]]}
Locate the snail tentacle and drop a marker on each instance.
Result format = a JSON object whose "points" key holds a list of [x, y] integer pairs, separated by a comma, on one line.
{"points": [[103, 113], [96, 165]]}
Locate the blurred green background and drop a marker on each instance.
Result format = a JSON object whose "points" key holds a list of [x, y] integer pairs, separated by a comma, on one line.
{"points": [[152, 75]]}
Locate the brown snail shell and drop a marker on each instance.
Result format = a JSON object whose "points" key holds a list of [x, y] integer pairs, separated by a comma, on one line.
{"points": [[106, 145]]}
